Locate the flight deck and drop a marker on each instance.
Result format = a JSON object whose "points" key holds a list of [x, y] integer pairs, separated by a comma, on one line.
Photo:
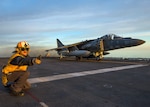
{"points": [[87, 83]]}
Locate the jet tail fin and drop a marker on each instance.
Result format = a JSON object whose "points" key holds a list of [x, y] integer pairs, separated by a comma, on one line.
{"points": [[59, 43], [65, 47]]}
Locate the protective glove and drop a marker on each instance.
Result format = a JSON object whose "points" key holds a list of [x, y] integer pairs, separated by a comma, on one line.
{"points": [[4, 79], [38, 60]]}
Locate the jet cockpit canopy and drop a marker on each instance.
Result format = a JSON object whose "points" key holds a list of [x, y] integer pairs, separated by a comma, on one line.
{"points": [[110, 37]]}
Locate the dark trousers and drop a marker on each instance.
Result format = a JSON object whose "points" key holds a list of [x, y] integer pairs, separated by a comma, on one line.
{"points": [[19, 80]]}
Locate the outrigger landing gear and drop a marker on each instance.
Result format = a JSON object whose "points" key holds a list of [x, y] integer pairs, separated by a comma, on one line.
{"points": [[79, 58]]}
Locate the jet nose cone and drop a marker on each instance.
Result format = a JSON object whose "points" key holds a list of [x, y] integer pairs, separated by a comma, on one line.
{"points": [[140, 42]]}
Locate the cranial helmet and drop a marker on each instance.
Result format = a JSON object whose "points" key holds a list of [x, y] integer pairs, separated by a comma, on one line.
{"points": [[23, 44]]}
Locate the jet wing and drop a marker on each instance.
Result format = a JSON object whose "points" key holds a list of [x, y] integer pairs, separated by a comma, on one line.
{"points": [[68, 46]]}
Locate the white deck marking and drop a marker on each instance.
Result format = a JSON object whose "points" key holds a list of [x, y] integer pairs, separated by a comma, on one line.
{"points": [[78, 74], [43, 104]]}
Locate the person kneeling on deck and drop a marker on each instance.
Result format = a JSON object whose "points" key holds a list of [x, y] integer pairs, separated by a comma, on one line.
{"points": [[15, 72]]}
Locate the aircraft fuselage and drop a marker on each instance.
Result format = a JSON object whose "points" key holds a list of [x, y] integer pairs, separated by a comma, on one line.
{"points": [[94, 45]]}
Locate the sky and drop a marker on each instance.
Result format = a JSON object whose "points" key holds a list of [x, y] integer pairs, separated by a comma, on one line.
{"points": [[41, 22]]}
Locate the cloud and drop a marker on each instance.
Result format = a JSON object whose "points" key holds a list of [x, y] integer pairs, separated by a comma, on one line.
{"points": [[40, 22]]}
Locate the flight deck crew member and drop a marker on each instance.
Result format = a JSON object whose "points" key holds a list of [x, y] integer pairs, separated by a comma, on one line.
{"points": [[15, 72]]}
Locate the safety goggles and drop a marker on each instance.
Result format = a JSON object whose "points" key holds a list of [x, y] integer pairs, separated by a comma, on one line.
{"points": [[23, 49]]}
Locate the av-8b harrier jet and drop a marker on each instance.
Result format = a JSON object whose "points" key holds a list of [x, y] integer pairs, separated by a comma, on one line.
{"points": [[95, 47]]}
